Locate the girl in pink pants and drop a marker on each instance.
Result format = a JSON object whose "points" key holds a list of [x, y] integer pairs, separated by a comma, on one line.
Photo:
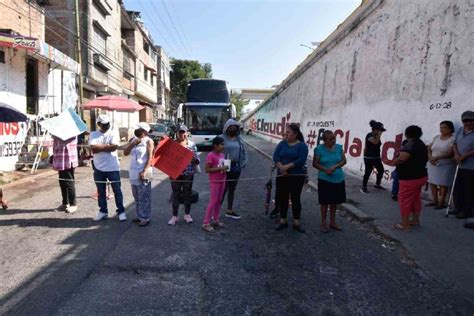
{"points": [[217, 175]]}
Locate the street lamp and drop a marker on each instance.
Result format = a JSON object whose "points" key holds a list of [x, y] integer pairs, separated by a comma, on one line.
{"points": [[303, 45]]}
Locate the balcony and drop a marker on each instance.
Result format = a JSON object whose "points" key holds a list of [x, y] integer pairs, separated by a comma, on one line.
{"points": [[102, 62]]}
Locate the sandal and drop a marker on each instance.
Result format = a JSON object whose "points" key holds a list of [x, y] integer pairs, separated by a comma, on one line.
{"points": [[413, 223], [208, 228], [335, 227], [431, 204], [324, 229], [401, 227]]}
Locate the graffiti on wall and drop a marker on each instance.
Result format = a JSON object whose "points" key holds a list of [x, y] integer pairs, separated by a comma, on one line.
{"points": [[12, 136], [271, 128]]}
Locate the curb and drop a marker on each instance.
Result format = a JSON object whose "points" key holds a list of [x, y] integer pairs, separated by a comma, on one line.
{"points": [[349, 208], [29, 178]]}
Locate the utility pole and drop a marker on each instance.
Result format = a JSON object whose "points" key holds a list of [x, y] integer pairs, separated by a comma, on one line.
{"points": [[79, 53]]}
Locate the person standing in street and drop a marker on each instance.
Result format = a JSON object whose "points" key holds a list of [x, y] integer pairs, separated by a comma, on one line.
{"points": [[412, 174], [464, 156], [3, 202], [183, 185], [140, 149], [290, 157], [441, 166], [235, 151], [217, 174], [329, 158], [65, 161], [104, 145], [372, 156]]}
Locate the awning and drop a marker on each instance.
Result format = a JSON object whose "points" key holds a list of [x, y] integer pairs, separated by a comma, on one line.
{"points": [[18, 41], [40, 48]]}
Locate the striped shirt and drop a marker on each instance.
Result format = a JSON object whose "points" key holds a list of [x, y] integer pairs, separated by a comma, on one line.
{"points": [[64, 153]]}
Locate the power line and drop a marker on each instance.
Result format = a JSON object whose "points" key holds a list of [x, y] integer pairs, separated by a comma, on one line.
{"points": [[155, 27], [174, 26], [180, 25], [165, 25]]}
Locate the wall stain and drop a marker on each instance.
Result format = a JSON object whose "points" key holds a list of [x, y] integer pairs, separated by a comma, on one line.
{"points": [[352, 78], [323, 89]]}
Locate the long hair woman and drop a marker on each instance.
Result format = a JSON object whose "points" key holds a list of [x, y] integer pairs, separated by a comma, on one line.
{"points": [[290, 157]]}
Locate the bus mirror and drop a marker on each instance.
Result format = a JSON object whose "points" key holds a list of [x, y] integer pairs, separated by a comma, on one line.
{"points": [[179, 111], [233, 111]]}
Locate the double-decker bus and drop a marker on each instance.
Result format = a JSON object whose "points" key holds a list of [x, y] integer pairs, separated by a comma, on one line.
{"points": [[206, 109]]}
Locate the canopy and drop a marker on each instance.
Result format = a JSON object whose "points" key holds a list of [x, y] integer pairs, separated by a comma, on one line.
{"points": [[112, 103], [9, 114]]}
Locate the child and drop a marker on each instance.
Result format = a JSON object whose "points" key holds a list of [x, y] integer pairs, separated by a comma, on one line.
{"points": [[217, 175]]}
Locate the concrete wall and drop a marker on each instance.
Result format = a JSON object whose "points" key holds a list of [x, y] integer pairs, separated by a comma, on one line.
{"points": [[399, 62]]}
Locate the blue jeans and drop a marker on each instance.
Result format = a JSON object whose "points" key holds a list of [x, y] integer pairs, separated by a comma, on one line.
{"points": [[395, 183], [142, 195], [114, 178]]}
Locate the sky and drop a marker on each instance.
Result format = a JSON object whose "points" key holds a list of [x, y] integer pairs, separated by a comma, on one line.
{"points": [[249, 43]]}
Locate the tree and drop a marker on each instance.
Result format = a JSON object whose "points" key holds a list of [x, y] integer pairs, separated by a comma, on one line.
{"points": [[239, 102], [183, 71]]}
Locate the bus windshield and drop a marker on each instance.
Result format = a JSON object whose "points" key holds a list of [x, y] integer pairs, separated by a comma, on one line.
{"points": [[206, 120]]}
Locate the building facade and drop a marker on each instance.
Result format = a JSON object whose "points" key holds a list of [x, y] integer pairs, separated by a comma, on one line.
{"points": [[163, 107], [35, 77]]}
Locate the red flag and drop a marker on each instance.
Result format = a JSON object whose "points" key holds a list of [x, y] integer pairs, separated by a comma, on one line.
{"points": [[171, 158]]}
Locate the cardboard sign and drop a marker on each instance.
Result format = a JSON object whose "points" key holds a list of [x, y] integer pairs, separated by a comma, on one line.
{"points": [[171, 158], [65, 126]]}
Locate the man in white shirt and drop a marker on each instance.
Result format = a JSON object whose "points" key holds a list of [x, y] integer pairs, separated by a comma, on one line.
{"points": [[104, 144]]}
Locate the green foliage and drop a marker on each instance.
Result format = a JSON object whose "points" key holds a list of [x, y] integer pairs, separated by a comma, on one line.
{"points": [[239, 102], [183, 71]]}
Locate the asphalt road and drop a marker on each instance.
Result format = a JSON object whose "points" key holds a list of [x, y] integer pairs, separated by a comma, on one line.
{"points": [[55, 263]]}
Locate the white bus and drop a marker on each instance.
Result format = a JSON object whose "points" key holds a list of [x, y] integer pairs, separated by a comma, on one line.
{"points": [[206, 109]]}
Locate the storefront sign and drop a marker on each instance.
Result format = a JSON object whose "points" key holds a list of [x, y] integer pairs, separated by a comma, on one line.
{"points": [[18, 41]]}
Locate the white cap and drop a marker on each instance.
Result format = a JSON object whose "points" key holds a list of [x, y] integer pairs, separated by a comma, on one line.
{"points": [[144, 126], [103, 119]]}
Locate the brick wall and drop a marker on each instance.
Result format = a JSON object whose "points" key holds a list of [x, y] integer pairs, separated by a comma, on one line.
{"points": [[22, 17]]}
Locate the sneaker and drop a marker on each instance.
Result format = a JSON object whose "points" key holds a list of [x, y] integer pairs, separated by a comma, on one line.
{"points": [[188, 218], [100, 216], [144, 222], [379, 187], [62, 207], [281, 226], [232, 215], [136, 220], [298, 229], [173, 220], [208, 228], [395, 198], [364, 190], [71, 209], [122, 217]]}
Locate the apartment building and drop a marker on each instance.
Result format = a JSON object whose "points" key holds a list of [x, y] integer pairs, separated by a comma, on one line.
{"points": [[35, 77], [164, 85]]}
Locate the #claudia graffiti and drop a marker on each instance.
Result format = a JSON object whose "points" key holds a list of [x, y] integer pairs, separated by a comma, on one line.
{"points": [[353, 145]]}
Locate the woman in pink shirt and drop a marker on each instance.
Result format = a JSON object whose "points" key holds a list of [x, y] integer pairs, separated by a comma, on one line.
{"points": [[217, 176]]}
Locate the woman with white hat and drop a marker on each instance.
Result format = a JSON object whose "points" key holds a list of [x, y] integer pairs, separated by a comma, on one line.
{"points": [[141, 150]]}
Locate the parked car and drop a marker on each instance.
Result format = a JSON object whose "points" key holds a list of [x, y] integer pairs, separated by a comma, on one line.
{"points": [[158, 131]]}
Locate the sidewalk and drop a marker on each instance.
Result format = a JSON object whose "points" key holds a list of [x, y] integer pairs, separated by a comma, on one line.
{"points": [[441, 246]]}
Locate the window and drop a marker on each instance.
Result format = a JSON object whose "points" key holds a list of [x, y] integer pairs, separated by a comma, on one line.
{"points": [[100, 41], [152, 80], [146, 47], [145, 74], [2, 56]]}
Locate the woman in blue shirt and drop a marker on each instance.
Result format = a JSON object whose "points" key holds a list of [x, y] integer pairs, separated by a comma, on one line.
{"points": [[328, 159], [290, 158]]}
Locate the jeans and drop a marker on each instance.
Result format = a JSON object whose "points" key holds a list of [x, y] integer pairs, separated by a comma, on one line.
{"points": [[369, 167], [289, 187], [114, 178], [142, 195], [464, 192], [230, 188], [68, 186], [395, 183], [185, 188]]}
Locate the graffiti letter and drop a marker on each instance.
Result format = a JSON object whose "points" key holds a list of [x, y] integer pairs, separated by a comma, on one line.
{"points": [[356, 148], [395, 146]]}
